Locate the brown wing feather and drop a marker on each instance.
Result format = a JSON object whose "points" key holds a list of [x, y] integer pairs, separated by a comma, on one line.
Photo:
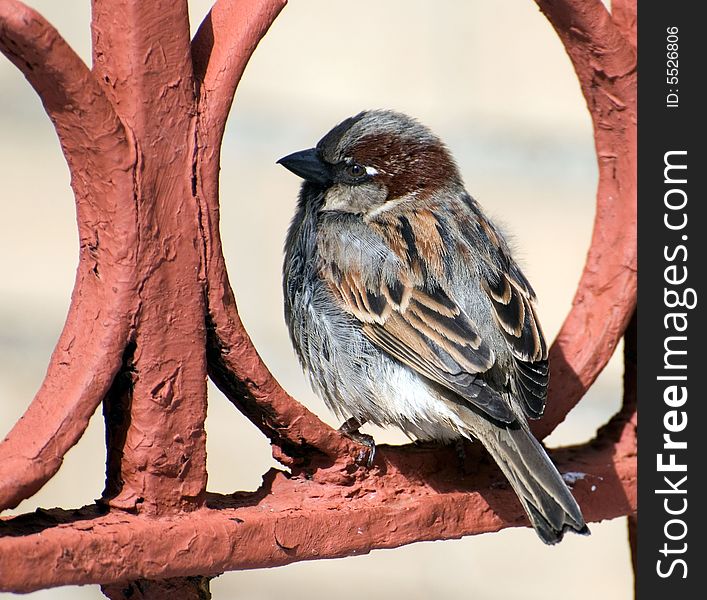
{"points": [[512, 300], [426, 330]]}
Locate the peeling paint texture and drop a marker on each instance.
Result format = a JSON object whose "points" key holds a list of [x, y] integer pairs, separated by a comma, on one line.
{"points": [[153, 313]]}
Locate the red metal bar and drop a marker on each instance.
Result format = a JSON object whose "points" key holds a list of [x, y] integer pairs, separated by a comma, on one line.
{"points": [[142, 55], [101, 156], [411, 495], [605, 63]]}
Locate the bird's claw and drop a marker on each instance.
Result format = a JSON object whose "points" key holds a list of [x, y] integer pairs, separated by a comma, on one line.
{"points": [[350, 429]]}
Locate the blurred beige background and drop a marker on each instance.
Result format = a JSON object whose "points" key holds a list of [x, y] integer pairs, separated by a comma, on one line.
{"points": [[492, 80]]}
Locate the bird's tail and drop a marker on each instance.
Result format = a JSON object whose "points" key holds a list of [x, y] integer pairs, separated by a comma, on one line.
{"points": [[550, 506]]}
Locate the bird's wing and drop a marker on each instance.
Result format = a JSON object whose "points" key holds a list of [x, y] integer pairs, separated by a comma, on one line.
{"points": [[423, 327], [513, 303]]}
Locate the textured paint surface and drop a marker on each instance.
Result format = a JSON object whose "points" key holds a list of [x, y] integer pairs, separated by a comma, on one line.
{"points": [[605, 63], [153, 311], [409, 495], [101, 155], [157, 463]]}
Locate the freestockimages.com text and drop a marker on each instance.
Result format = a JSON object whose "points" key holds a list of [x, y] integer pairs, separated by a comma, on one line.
{"points": [[678, 299]]}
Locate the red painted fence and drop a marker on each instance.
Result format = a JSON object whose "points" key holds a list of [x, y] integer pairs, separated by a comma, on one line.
{"points": [[153, 312]]}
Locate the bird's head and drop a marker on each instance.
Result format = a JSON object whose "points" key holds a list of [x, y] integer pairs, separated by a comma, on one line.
{"points": [[369, 161]]}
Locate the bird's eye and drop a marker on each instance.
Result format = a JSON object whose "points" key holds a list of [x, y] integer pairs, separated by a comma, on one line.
{"points": [[355, 170]]}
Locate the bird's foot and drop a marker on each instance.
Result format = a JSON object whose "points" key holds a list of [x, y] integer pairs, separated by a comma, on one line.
{"points": [[461, 446], [350, 428]]}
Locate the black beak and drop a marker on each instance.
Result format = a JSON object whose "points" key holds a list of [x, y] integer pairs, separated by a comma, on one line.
{"points": [[307, 165]]}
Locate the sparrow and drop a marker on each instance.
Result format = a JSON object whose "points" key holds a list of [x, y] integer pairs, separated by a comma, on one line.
{"points": [[406, 308]]}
